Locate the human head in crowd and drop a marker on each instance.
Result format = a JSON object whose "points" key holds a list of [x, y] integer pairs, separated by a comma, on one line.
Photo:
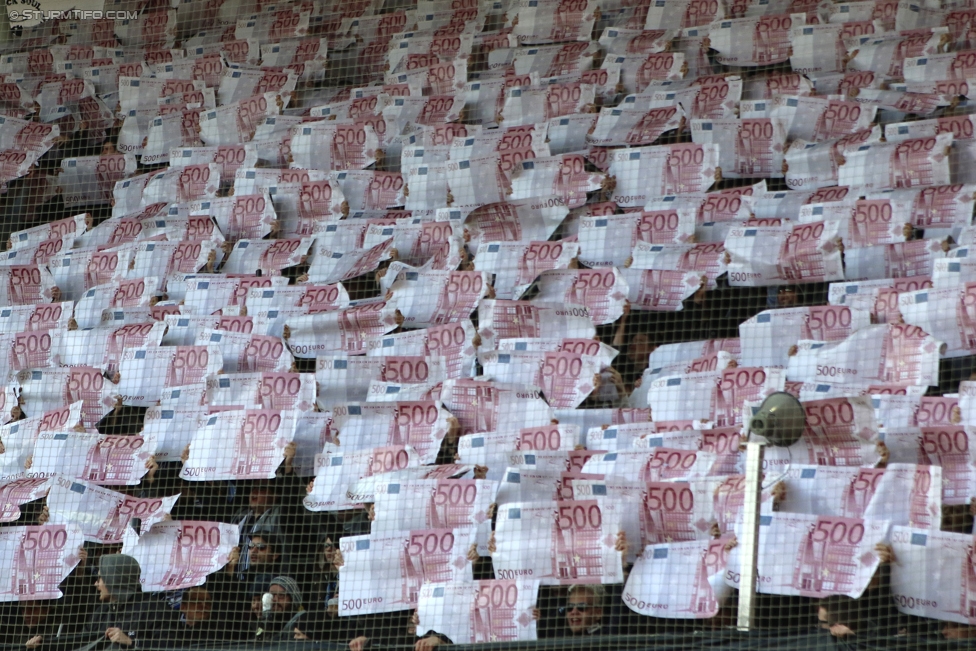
{"points": [[584, 609], [256, 596], [208, 615], [128, 617], [408, 635], [325, 559], [196, 606], [954, 631], [781, 297], [286, 597], [38, 621], [118, 578], [635, 343], [35, 613], [281, 609], [787, 297], [263, 496], [263, 550], [839, 614]]}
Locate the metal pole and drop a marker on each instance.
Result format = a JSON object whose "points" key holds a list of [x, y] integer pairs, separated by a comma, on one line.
{"points": [[749, 542]]}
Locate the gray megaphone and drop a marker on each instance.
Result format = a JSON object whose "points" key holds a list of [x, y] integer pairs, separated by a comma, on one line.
{"points": [[781, 419]]}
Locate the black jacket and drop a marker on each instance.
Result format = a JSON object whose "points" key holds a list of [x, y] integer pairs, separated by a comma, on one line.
{"points": [[144, 618], [278, 627], [383, 629], [15, 633]]}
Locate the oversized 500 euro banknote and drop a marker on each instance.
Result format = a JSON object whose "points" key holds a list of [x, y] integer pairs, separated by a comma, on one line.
{"points": [[102, 459], [455, 342], [766, 338], [877, 493], [947, 314], [900, 354], [438, 503], [438, 297], [479, 611], [102, 514], [608, 241], [907, 164], [263, 390], [933, 576], [602, 291], [811, 165], [337, 471], [192, 550], [948, 447], [420, 424], [806, 253], [696, 568], [246, 353], [385, 572], [654, 464], [340, 331], [342, 379], [19, 489], [747, 148], [659, 512], [146, 372], [565, 378], [500, 319], [811, 555], [43, 390], [571, 541], [487, 406], [645, 172], [240, 444], [527, 219], [37, 559], [494, 449]]}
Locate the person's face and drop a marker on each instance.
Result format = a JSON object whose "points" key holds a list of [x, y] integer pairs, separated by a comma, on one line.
{"points": [[786, 297], [196, 609], [260, 499], [33, 614], [280, 599], [639, 349], [953, 631], [328, 552], [256, 605], [103, 593], [581, 613], [261, 553]]}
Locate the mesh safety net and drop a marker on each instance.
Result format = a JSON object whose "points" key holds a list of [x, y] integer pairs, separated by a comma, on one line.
{"points": [[416, 323]]}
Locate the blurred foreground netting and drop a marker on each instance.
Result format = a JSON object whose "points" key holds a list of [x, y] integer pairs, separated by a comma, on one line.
{"points": [[411, 324]]}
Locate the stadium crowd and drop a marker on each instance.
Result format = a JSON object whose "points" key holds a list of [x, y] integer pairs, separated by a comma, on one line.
{"points": [[399, 322]]}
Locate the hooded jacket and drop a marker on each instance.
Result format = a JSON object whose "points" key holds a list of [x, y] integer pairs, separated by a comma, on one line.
{"points": [[144, 618], [280, 626]]}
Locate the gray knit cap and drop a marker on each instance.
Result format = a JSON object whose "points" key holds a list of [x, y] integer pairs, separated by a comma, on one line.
{"points": [[120, 574], [291, 587]]}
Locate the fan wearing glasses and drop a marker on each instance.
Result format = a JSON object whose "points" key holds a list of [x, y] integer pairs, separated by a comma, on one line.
{"points": [[264, 565], [584, 610]]}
